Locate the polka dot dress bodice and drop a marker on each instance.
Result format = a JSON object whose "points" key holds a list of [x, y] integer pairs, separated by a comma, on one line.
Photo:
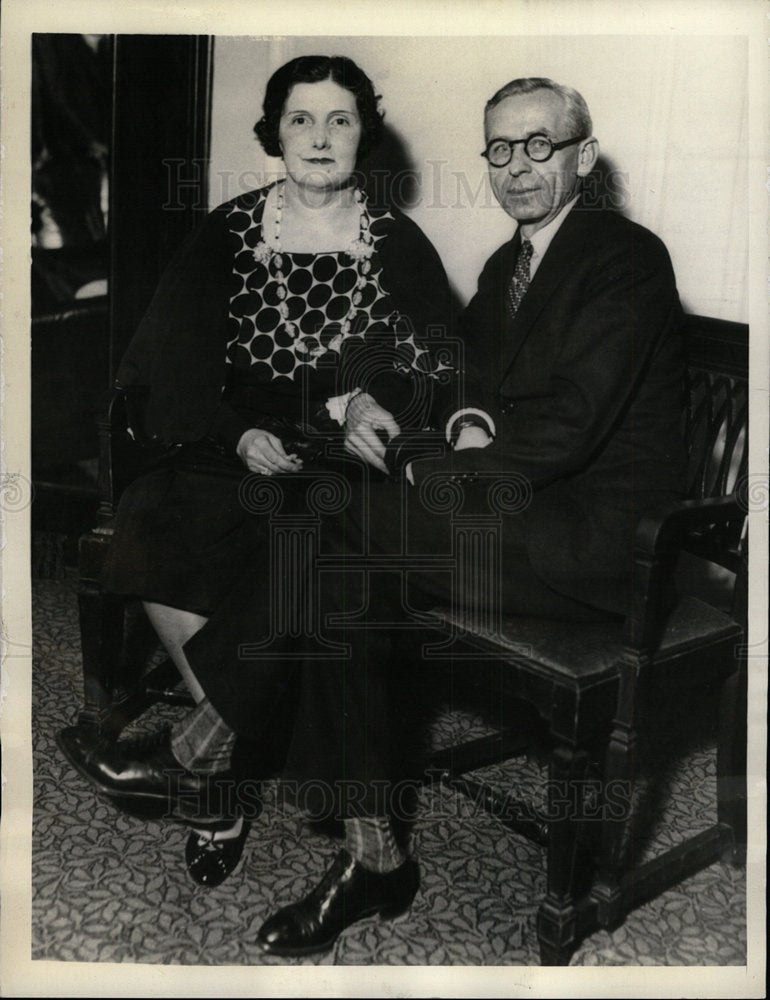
{"points": [[318, 290]]}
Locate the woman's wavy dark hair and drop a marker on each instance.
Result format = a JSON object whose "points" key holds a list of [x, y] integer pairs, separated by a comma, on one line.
{"points": [[313, 69]]}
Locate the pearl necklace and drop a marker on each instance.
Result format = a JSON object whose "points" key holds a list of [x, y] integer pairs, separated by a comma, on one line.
{"points": [[360, 250]]}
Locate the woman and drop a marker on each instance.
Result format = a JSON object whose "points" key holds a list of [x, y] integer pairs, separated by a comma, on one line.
{"points": [[294, 312]]}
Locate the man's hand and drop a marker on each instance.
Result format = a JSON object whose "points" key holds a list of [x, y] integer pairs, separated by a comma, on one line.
{"points": [[472, 437], [263, 452], [469, 437], [363, 419]]}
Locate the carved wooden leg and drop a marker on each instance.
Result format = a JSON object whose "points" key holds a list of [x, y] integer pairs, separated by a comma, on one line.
{"points": [[731, 750], [557, 917], [617, 804], [731, 763], [101, 635]]}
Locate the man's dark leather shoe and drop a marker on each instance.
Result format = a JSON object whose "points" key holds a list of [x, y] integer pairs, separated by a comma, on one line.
{"points": [[347, 893], [142, 776]]}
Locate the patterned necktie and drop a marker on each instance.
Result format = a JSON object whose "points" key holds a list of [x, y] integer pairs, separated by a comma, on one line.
{"points": [[520, 280]]}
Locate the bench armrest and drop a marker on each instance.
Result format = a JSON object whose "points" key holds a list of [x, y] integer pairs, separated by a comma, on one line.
{"points": [[709, 528], [674, 525], [125, 450]]}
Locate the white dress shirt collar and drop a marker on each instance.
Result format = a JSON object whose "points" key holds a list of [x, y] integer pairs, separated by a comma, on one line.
{"points": [[541, 240]]}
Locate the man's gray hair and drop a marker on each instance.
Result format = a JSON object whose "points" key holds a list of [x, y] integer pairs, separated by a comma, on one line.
{"points": [[575, 107]]}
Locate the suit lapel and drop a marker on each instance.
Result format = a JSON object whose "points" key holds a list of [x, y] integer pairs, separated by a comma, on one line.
{"points": [[556, 265]]}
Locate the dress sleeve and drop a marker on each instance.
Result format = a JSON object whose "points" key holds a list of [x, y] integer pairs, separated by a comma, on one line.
{"points": [[412, 382], [228, 426], [179, 349]]}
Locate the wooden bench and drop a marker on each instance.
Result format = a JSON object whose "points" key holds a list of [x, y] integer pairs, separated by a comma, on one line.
{"points": [[580, 679], [583, 679]]}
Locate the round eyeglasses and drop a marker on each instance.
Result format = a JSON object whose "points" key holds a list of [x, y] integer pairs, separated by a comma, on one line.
{"points": [[538, 147]]}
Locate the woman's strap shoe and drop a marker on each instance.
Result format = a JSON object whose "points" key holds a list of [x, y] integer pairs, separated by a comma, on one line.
{"points": [[347, 893], [211, 860]]}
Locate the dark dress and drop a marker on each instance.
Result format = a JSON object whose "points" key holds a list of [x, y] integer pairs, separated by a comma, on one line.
{"points": [[214, 357]]}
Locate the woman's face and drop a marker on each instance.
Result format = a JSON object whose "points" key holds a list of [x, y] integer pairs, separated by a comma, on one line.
{"points": [[319, 135]]}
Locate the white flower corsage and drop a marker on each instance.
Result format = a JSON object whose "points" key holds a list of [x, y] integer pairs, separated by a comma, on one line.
{"points": [[360, 250], [262, 253]]}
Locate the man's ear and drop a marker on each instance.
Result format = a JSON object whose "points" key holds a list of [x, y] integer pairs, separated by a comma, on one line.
{"points": [[588, 154]]}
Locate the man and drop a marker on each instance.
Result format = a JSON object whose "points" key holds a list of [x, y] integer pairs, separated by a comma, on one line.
{"points": [[573, 386]]}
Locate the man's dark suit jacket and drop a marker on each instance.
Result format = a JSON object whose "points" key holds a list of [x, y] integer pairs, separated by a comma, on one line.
{"points": [[585, 388]]}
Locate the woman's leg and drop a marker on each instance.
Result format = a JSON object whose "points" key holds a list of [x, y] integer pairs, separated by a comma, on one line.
{"points": [[174, 628], [209, 855]]}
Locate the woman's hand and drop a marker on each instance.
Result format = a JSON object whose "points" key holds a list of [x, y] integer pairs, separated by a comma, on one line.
{"points": [[261, 451], [363, 418]]}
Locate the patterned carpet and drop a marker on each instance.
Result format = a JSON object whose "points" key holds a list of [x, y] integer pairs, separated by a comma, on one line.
{"points": [[110, 888]]}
